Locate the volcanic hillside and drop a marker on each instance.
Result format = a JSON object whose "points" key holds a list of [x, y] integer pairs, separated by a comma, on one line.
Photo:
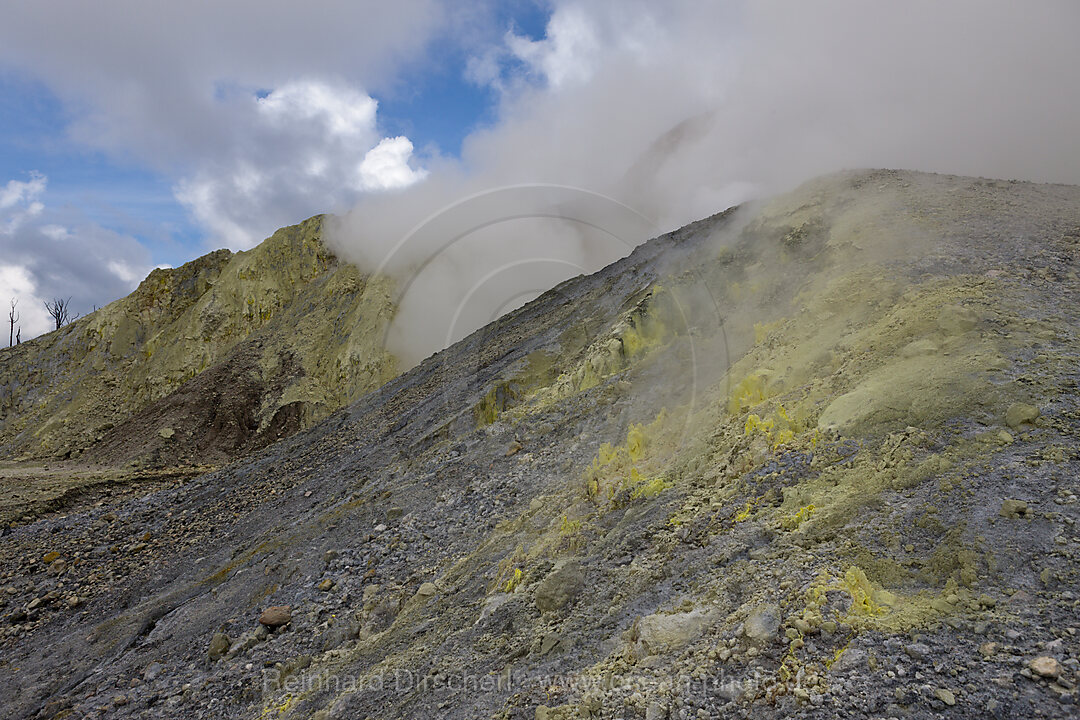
{"points": [[816, 457]]}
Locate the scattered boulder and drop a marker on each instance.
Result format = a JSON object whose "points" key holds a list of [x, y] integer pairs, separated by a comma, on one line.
{"points": [[851, 659], [559, 587], [945, 696], [763, 623], [219, 645], [1045, 666], [660, 632], [426, 590], [166, 433], [276, 616], [549, 643], [50, 557], [918, 651], [1013, 509], [326, 585], [1020, 414]]}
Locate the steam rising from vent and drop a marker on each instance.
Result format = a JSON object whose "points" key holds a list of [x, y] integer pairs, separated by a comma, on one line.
{"points": [[680, 111]]}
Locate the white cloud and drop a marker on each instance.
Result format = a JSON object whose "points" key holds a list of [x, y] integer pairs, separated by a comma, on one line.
{"points": [[59, 253], [309, 146], [16, 192], [341, 110], [386, 166], [128, 274], [19, 202], [183, 91], [567, 53], [17, 283]]}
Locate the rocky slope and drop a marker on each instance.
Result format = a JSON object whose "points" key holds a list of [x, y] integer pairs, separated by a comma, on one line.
{"points": [[815, 458], [201, 363]]}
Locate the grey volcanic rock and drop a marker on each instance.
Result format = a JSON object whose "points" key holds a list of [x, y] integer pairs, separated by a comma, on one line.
{"points": [[560, 587]]}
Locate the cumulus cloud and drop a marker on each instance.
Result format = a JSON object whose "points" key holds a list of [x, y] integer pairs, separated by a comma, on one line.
{"points": [[262, 113], [307, 146], [386, 166], [681, 110]]}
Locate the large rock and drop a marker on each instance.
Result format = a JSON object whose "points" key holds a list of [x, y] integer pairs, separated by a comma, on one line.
{"points": [[276, 615], [1045, 666], [1020, 414], [219, 645], [1013, 509], [662, 633], [560, 587], [763, 623]]}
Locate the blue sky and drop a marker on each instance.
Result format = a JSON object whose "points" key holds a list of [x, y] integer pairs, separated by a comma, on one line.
{"points": [[133, 136]]}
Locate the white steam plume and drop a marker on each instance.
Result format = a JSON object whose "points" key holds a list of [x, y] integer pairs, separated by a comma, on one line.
{"points": [[678, 110]]}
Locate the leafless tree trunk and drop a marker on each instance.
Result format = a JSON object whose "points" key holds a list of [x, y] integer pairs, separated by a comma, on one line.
{"points": [[60, 310], [13, 318], [18, 336]]}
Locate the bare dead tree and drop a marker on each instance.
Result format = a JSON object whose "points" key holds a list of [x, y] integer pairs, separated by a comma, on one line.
{"points": [[60, 311], [18, 336], [13, 318]]}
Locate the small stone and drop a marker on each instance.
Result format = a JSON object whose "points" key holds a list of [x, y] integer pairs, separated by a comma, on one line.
{"points": [[330, 556], [120, 700], [219, 645], [275, 616], [1020, 414], [73, 601], [514, 449], [326, 585], [988, 649], [1045, 666], [917, 651], [50, 557], [427, 590], [166, 433], [945, 696], [394, 513], [549, 643], [1013, 509]]}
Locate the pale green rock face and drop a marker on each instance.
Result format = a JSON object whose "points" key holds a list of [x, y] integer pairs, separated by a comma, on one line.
{"points": [[300, 334]]}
